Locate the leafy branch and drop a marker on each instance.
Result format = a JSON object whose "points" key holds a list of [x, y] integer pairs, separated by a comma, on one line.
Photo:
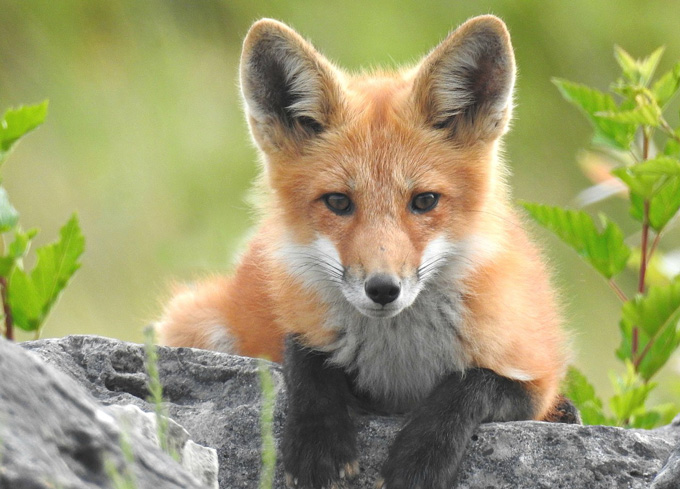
{"points": [[629, 123], [28, 297]]}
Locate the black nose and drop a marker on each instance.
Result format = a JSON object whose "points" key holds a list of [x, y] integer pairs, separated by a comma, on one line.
{"points": [[382, 288]]}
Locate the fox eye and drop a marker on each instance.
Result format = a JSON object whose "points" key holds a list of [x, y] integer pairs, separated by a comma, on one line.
{"points": [[338, 203], [424, 202]]}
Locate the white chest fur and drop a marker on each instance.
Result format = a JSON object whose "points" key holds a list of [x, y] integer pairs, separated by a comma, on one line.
{"points": [[399, 360]]}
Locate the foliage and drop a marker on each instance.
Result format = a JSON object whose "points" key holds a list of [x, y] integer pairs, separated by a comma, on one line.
{"points": [[122, 478], [28, 297], [629, 124], [266, 427], [156, 392]]}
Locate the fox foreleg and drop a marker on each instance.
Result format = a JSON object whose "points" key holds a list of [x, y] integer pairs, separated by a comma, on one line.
{"points": [[319, 438], [427, 451]]}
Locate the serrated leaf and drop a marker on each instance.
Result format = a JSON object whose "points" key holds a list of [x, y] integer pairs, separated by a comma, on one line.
{"points": [[628, 65], [582, 393], [18, 122], [6, 265], [591, 102], [630, 395], [16, 251], [667, 86], [647, 66], [663, 206], [646, 178], [32, 296], [605, 250], [656, 316], [645, 420], [672, 147], [22, 243], [8, 214], [642, 115], [666, 411]]}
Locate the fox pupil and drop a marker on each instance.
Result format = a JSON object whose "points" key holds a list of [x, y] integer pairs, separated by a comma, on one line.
{"points": [[424, 202], [338, 203]]}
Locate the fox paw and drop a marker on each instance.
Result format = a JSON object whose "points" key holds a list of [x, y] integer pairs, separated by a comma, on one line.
{"points": [[319, 453], [417, 462], [334, 481]]}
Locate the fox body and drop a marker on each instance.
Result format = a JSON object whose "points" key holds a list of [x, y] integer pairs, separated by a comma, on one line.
{"points": [[389, 268]]}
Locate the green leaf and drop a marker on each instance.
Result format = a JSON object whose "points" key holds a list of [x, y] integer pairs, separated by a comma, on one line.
{"points": [[663, 206], [647, 66], [666, 411], [605, 250], [6, 265], [32, 296], [645, 420], [657, 316], [16, 251], [667, 86], [672, 147], [592, 102], [22, 242], [581, 392], [8, 214], [643, 115], [627, 63], [630, 395], [646, 178], [17, 122]]}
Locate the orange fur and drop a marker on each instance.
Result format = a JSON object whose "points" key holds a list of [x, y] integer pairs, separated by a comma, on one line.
{"points": [[379, 147]]}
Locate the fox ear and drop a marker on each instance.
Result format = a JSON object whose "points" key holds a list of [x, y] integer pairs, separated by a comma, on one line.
{"points": [[464, 86], [291, 91]]}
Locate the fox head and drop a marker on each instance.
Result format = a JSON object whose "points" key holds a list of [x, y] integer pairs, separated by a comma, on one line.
{"points": [[382, 181]]}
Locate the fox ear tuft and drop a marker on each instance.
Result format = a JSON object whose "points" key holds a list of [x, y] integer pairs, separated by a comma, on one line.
{"points": [[465, 84], [290, 90]]}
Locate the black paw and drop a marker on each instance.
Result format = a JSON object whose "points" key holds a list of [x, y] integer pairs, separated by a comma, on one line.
{"points": [[563, 411], [316, 457], [422, 469], [347, 472], [423, 458]]}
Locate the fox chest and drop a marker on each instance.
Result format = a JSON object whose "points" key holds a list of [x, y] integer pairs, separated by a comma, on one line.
{"points": [[396, 362]]}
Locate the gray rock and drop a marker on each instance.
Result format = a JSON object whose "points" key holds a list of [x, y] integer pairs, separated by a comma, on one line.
{"points": [[53, 434], [669, 475], [216, 397], [200, 461]]}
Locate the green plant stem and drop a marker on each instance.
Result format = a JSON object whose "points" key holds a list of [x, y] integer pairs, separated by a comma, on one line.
{"points": [[669, 130], [156, 390], [619, 293], [643, 249], [9, 323], [655, 244], [266, 427]]}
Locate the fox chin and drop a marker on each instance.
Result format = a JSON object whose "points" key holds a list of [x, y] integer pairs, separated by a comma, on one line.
{"points": [[389, 271]]}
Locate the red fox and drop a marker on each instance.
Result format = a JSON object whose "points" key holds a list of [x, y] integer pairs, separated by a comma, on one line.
{"points": [[389, 272]]}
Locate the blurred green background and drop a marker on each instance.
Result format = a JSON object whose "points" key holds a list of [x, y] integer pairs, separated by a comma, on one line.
{"points": [[145, 136]]}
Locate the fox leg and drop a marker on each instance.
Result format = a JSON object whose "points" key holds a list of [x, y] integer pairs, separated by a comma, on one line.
{"points": [[319, 438], [427, 451]]}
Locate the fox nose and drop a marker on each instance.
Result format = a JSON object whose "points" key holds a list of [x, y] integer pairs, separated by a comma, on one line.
{"points": [[382, 288]]}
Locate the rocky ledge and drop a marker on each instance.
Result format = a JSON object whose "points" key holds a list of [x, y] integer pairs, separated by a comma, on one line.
{"points": [[57, 428]]}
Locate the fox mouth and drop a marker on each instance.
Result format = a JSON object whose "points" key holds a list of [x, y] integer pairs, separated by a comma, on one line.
{"points": [[379, 312]]}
